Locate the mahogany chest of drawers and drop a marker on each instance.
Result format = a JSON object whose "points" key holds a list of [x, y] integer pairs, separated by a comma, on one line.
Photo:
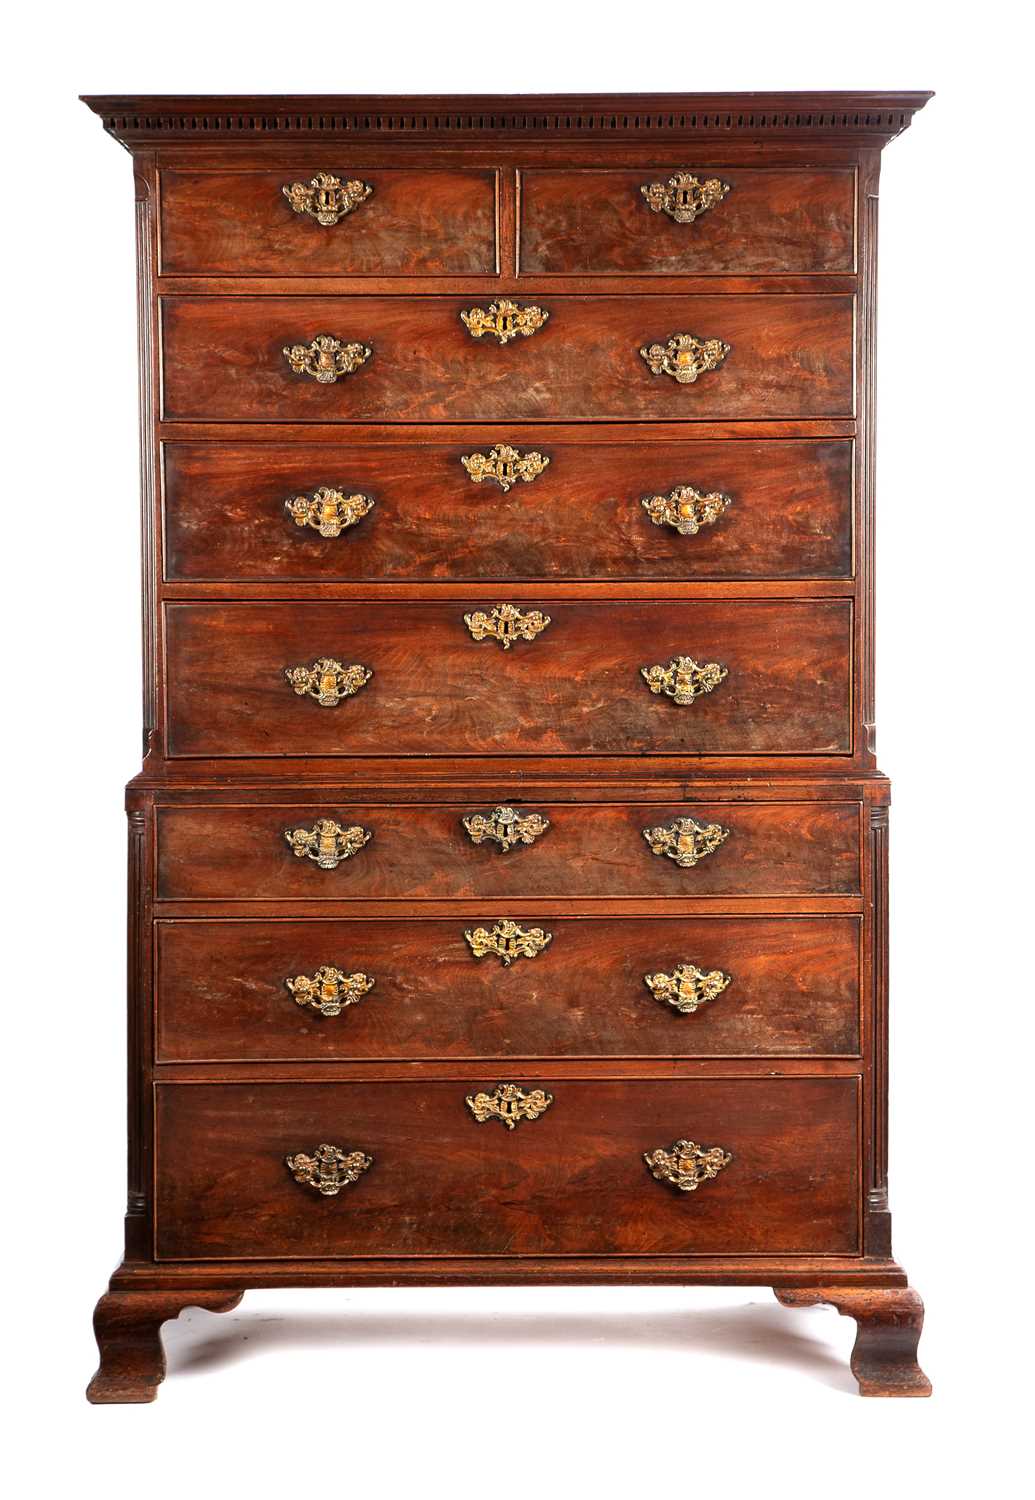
{"points": [[508, 865]]}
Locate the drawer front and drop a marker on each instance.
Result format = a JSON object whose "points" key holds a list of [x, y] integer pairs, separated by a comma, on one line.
{"points": [[589, 850], [769, 221], [571, 1182], [789, 516], [223, 359], [575, 688], [791, 988], [425, 223]]}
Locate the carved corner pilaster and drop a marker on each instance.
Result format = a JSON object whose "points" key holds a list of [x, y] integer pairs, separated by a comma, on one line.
{"points": [[878, 1216], [147, 343], [138, 1038]]}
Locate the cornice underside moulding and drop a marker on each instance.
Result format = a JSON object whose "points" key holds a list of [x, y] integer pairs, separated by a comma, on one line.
{"points": [[870, 118]]}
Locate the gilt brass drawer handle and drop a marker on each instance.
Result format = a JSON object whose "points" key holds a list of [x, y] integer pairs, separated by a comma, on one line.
{"points": [[326, 358], [687, 988], [504, 466], [683, 680], [330, 512], [329, 1169], [505, 826], [686, 1165], [504, 320], [685, 357], [325, 197], [686, 841], [507, 941], [509, 1104], [327, 681], [686, 510], [327, 843], [329, 991], [506, 624], [684, 197]]}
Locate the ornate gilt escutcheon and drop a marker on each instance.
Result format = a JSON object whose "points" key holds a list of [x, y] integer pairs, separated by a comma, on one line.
{"points": [[685, 357], [327, 681], [328, 511], [686, 510], [686, 1165], [329, 1169], [683, 680], [325, 197], [683, 197], [507, 941], [505, 826], [509, 1104], [687, 988], [329, 991], [504, 466], [506, 624], [686, 841], [504, 320], [326, 358], [327, 843]]}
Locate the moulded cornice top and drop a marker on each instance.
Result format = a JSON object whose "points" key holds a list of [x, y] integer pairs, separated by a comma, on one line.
{"points": [[871, 118]]}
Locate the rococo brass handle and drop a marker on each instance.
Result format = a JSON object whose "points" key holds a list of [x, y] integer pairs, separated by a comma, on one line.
{"points": [[326, 358], [683, 680], [325, 197], [504, 466], [506, 624], [507, 941], [329, 1169], [504, 320], [327, 681], [686, 841], [685, 357], [686, 1165], [329, 991], [329, 511], [683, 197], [509, 1104], [685, 509], [687, 988], [327, 843], [505, 826]]}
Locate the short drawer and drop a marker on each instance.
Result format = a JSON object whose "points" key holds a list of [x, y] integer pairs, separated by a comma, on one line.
{"points": [[572, 1181], [745, 221], [443, 684], [588, 850], [230, 991], [390, 222], [779, 509], [788, 356]]}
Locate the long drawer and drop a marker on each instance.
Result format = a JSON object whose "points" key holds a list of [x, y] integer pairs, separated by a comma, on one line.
{"points": [[572, 1181], [322, 991], [423, 851], [223, 359], [575, 688], [234, 511]]}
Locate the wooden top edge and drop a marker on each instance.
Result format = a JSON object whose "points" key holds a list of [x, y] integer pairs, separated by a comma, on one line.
{"points": [[873, 117]]}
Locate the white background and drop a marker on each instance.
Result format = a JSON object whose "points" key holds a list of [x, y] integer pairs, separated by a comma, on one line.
{"points": [[556, 1392]]}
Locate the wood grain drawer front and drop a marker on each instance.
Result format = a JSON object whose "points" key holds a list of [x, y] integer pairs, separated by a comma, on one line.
{"points": [[571, 1182], [223, 996], [790, 356], [412, 223], [790, 512], [770, 221], [589, 850], [576, 688]]}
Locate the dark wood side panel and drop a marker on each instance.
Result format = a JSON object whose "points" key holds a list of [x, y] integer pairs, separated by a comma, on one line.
{"points": [[771, 221], [589, 850], [790, 517], [571, 1182], [414, 223], [575, 689], [790, 356], [222, 996]]}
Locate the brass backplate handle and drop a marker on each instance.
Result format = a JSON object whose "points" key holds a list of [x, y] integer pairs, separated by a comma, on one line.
{"points": [[329, 991], [683, 680], [684, 357], [329, 511], [326, 198], [509, 1104], [505, 826], [327, 682], [506, 624], [686, 841], [504, 465], [685, 509], [685, 1165], [504, 320], [327, 844], [325, 358], [329, 1169], [507, 941], [684, 197], [687, 988]]}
